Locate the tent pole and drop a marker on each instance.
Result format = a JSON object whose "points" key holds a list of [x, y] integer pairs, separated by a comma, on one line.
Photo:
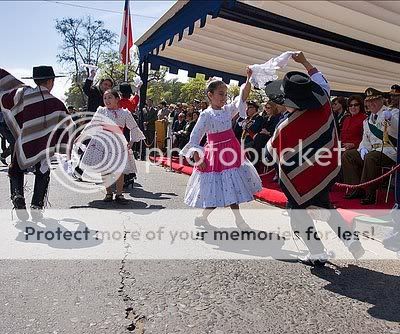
{"points": [[397, 182]]}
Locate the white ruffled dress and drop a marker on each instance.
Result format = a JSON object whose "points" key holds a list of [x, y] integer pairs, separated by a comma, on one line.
{"points": [[219, 185], [107, 152]]}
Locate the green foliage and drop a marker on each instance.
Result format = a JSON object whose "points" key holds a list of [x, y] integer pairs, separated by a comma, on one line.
{"points": [[194, 89], [74, 96], [168, 90], [233, 91], [110, 66], [258, 95]]}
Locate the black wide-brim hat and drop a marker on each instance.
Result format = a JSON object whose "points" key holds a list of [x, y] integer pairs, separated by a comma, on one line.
{"points": [[43, 72], [296, 90]]}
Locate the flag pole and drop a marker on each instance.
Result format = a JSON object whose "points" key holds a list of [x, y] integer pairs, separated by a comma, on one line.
{"points": [[128, 13]]}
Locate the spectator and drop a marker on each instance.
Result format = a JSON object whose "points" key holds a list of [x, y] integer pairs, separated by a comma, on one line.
{"points": [[394, 96], [352, 126], [272, 115], [270, 118], [251, 127], [149, 121], [177, 129], [184, 135], [203, 105], [365, 164], [94, 93], [163, 112], [196, 105], [339, 108]]}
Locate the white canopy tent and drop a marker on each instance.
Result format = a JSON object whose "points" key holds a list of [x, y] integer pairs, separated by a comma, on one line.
{"points": [[352, 42]]}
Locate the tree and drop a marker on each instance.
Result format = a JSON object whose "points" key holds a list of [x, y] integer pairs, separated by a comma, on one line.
{"points": [[84, 40], [258, 95], [233, 91], [110, 66], [74, 96], [167, 90], [194, 89]]}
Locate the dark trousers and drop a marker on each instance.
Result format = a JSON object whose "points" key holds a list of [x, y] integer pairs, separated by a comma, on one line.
{"points": [[356, 170], [6, 136], [303, 225], [16, 175]]}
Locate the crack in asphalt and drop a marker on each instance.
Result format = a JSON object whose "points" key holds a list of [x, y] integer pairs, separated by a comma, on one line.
{"points": [[136, 320]]}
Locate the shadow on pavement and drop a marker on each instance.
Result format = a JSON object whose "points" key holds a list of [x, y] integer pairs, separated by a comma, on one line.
{"points": [[138, 192], [368, 286], [46, 233], [248, 242], [130, 205]]}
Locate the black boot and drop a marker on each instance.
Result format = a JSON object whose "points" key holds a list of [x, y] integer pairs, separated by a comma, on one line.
{"points": [[39, 193], [20, 207]]}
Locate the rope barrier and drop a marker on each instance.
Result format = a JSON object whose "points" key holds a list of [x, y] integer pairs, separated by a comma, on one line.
{"points": [[368, 183]]}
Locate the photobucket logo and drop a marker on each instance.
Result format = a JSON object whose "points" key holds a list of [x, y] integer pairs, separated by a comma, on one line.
{"points": [[95, 144]]}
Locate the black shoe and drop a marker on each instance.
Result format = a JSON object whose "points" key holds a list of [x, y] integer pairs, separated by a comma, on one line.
{"points": [[36, 212], [368, 200], [20, 207], [355, 194], [121, 199], [108, 198]]}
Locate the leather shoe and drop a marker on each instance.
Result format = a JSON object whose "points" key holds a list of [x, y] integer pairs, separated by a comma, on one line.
{"points": [[358, 193], [368, 200]]}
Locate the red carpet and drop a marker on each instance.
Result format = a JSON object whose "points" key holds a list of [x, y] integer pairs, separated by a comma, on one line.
{"points": [[272, 194]]}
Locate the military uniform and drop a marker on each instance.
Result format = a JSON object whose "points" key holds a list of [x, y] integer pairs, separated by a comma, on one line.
{"points": [[355, 169]]}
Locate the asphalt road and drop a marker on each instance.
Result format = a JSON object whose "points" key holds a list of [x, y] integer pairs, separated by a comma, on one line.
{"points": [[186, 296]]}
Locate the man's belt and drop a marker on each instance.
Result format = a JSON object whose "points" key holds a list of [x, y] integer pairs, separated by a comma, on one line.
{"points": [[375, 146]]}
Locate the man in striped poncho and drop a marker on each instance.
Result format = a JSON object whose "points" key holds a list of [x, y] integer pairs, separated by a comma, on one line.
{"points": [[306, 149], [33, 116]]}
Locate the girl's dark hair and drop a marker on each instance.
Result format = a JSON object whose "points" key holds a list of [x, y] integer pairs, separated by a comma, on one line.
{"points": [[359, 100], [341, 100], [107, 79], [113, 92], [213, 84]]}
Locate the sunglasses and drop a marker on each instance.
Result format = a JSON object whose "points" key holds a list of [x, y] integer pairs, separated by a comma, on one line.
{"points": [[354, 105]]}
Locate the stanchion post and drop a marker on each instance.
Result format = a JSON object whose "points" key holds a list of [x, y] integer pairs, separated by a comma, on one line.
{"points": [[155, 144], [141, 150]]}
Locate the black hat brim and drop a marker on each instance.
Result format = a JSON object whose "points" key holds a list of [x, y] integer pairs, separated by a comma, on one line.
{"points": [[46, 77], [315, 99]]}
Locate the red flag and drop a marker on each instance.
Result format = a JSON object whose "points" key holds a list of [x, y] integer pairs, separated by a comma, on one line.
{"points": [[126, 40]]}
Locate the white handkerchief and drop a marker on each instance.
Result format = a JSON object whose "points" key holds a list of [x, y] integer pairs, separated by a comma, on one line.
{"points": [[263, 73]]}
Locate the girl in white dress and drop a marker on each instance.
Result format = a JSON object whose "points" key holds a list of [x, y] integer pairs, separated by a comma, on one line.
{"points": [[222, 176], [108, 152]]}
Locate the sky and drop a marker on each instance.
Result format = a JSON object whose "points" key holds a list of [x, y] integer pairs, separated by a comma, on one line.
{"points": [[29, 37]]}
